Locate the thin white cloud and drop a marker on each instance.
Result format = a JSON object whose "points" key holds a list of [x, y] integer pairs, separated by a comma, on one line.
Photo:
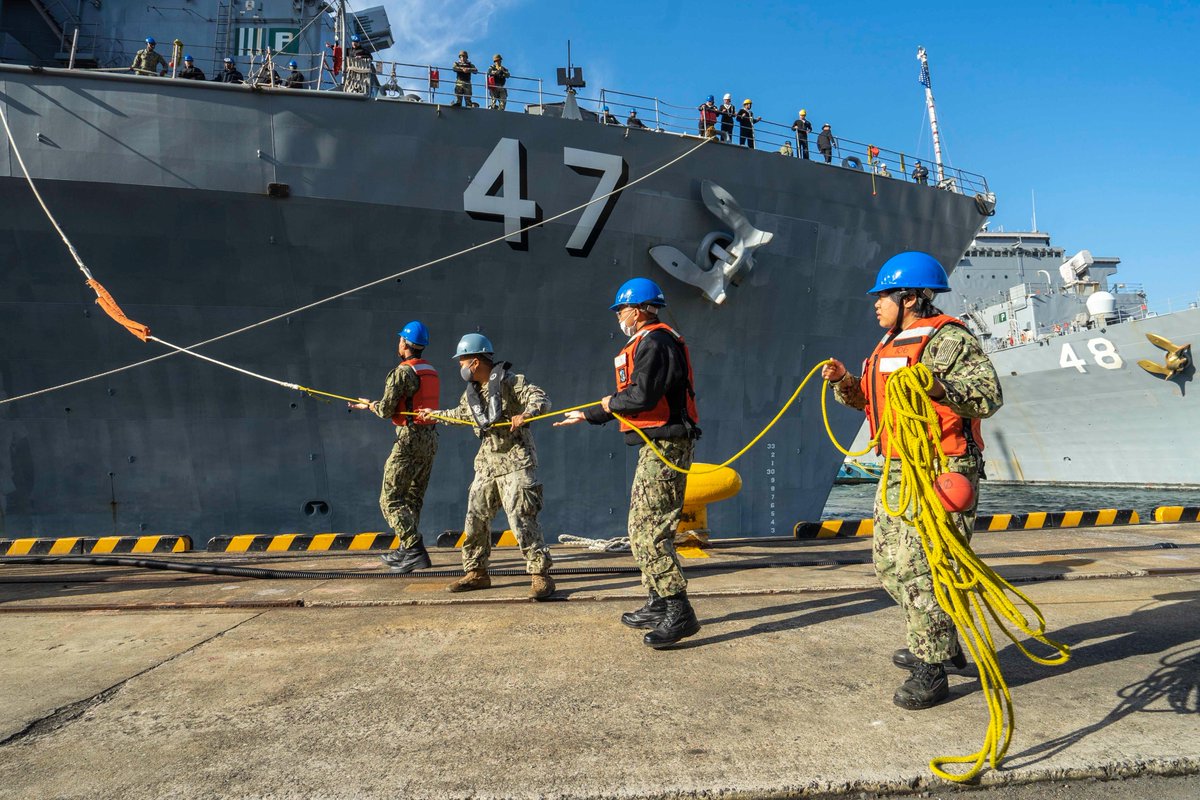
{"points": [[429, 32]]}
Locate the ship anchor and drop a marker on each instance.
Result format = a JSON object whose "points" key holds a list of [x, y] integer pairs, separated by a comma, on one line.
{"points": [[722, 257], [1178, 358]]}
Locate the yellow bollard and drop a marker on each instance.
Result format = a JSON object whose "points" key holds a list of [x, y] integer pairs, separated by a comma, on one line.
{"points": [[704, 488]]}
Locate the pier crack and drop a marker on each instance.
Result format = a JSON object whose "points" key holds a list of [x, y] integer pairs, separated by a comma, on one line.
{"points": [[63, 716]]}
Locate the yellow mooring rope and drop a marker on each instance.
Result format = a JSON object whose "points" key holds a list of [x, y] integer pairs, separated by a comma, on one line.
{"points": [[964, 586], [713, 468]]}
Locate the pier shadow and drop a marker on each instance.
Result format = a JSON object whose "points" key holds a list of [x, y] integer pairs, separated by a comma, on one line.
{"points": [[91, 588], [1173, 687], [795, 616]]}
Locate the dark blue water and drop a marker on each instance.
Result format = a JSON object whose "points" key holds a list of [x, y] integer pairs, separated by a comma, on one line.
{"points": [[855, 501]]}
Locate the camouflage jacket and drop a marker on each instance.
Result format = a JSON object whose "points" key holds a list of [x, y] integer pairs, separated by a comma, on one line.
{"points": [[148, 61], [401, 383], [501, 449], [955, 358]]}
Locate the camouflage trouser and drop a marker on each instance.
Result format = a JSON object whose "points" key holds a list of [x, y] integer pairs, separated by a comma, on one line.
{"points": [[521, 495], [405, 477], [655, 507], [903, 569], [462, 92]]}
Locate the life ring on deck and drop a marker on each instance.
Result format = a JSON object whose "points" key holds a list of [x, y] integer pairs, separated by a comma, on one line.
{"points": [[852, 162]]}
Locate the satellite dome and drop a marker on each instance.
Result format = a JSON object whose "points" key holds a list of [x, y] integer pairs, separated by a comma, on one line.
{"points": [[1101, 305]]}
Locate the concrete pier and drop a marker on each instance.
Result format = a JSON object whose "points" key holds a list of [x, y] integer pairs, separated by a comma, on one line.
{"points": [[126, 683]]}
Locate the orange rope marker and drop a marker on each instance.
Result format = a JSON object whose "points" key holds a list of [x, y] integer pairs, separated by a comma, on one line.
{"points": [[105, 301]]}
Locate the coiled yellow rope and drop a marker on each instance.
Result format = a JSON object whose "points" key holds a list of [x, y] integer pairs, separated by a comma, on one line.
{"points": [[964, 586]]}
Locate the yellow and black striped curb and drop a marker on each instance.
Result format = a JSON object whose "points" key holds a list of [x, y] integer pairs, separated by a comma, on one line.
{"points": [[301, 542], [1177, 514], [456, 538], [841, 528], [95, 545], [1057, 519], [833, 528]]}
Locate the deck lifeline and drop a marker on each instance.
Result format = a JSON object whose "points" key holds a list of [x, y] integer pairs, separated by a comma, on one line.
{"points": [[206, 686]]}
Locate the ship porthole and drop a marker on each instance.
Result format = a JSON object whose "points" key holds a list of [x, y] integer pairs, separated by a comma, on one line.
{"points": [[852, 162]]}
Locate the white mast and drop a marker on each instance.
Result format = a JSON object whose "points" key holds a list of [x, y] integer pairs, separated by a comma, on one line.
{"points": [[937, 140]]}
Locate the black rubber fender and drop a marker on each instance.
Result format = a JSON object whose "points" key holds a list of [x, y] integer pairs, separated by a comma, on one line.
{"points": [[852, 162]]}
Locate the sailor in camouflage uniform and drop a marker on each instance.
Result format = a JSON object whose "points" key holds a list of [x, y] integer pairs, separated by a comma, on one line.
{"points": [[413, 385], [655, 394], [966, 389], [148, 61], [505, 467]]}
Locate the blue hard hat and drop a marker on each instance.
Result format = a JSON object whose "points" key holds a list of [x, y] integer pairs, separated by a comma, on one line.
{"points": [[474, 344], [293, 65], [150, 40], [188, 58], [711, 99], [911, 269], [606, 109], [638, 291], [414, 331], [228, 60], [354, 37]]}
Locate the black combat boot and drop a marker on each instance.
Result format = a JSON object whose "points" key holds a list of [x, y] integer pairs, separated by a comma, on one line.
{"points": [[925, 688], [408, 559], [649, 615], [678, 622], [904, 659]]}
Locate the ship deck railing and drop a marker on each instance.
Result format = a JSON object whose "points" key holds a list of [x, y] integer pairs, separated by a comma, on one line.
{"points": [[411, 82], [407, 82]]}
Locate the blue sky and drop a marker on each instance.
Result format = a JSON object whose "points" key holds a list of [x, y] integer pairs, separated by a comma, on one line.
{"points": [[1093, 106]]}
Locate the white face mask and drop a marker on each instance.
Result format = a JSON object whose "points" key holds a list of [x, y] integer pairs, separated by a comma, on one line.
{"points": [[627, 329]]}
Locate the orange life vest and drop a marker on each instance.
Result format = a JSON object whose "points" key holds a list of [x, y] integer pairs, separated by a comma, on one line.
{"points": [[428, 392], [904, 350], [661, 413]]}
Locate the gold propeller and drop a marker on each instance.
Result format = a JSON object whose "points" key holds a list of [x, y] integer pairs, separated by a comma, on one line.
{"points": [[1177, 360]]}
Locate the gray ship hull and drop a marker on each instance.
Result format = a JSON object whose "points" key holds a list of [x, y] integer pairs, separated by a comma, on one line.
{"points": [[163, 189], [1111, 423]]}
